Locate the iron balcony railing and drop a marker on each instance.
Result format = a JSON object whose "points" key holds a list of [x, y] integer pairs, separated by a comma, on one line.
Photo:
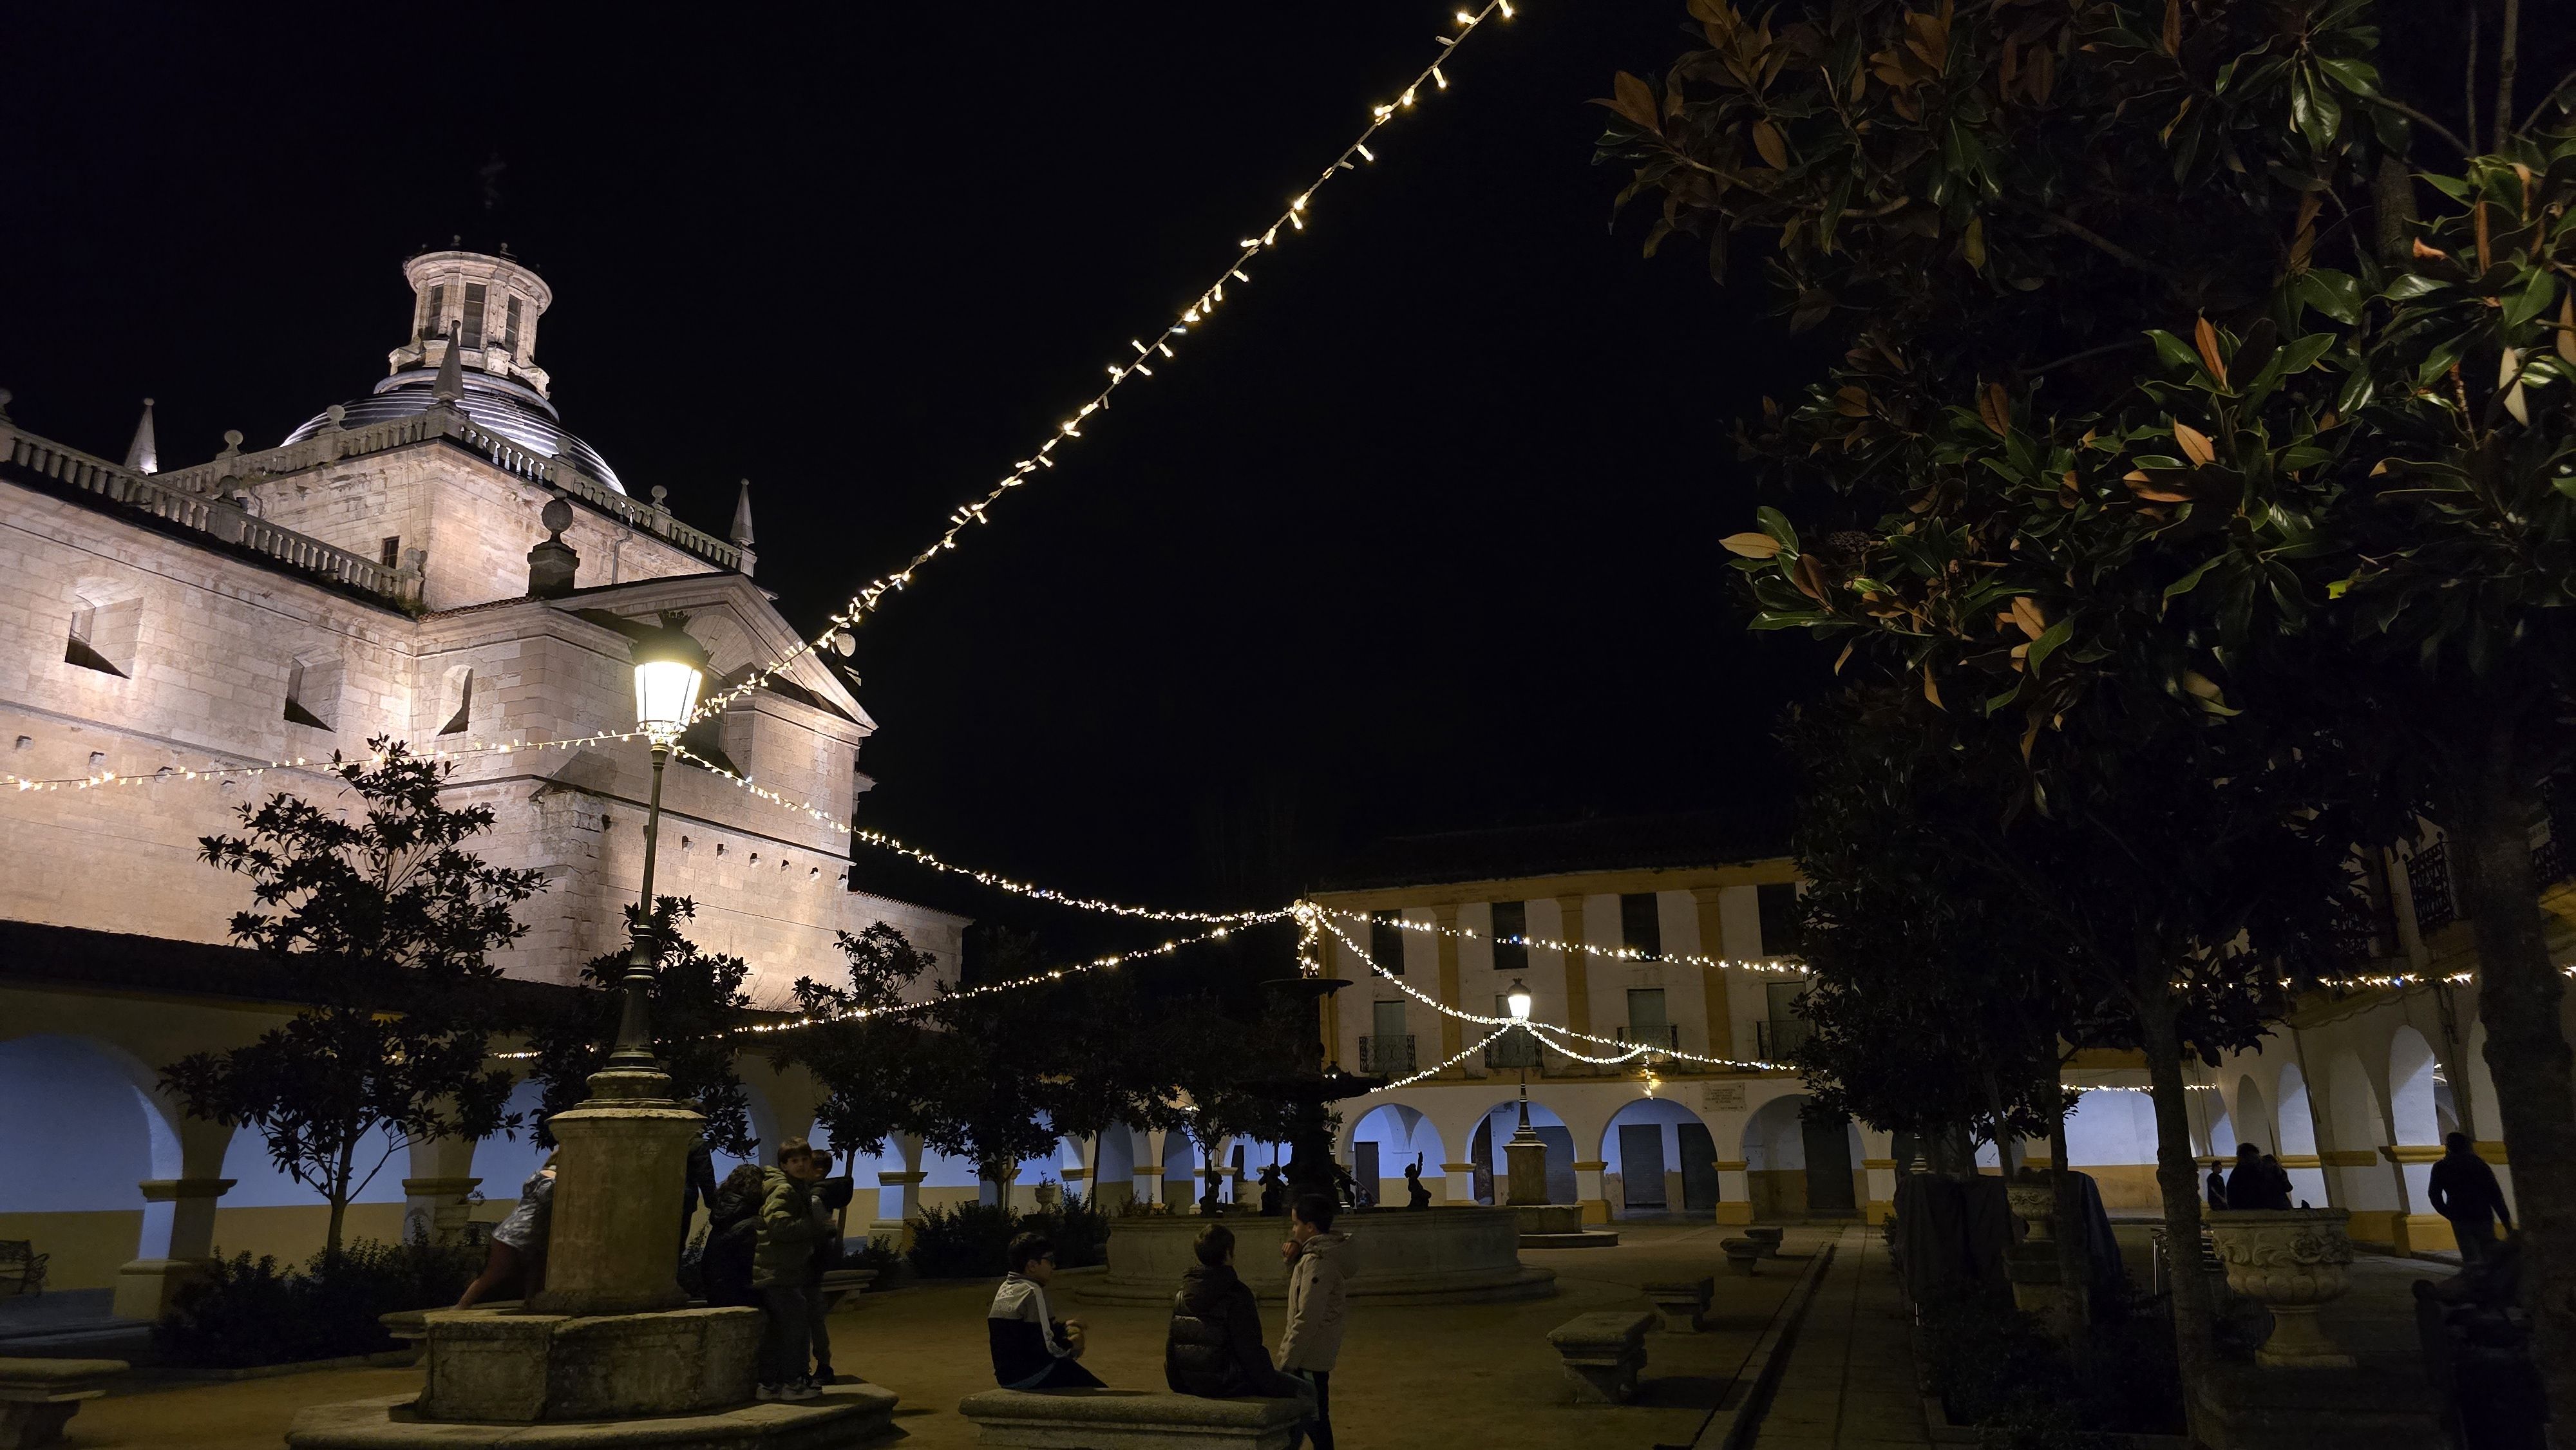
{"points": [[1382, 1056], [1665, 1036], [1515, 1052], [1780, 1036]]}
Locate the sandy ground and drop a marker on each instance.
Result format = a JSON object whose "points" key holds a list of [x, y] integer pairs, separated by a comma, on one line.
{"points": [[1409, 1376]]}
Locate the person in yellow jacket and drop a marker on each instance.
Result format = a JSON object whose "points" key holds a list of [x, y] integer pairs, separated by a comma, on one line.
{"points": [[1317, 1306]]}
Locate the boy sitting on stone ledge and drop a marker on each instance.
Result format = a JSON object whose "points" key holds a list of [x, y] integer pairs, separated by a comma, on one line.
{"points": [[1032, 1351]]}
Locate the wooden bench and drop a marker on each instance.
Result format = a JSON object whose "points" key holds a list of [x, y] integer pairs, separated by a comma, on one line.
{"points": [[39, 1396], [1683, 1303], [1603, 1353], [1743, 1254], [22, 1269], [1120, 1419]]}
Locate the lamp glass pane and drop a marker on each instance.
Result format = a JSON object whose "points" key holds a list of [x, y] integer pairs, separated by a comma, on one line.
{"points": [[666, 691]]}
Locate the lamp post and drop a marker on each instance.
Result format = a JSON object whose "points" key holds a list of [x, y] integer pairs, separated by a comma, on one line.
{"points": [[1519, 1000], [670, 669], [1525, 1155]]}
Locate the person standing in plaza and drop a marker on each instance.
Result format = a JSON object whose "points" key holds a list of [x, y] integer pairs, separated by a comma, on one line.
{"points": [[1213, 1347], [790, 1225], [519, 1241], [2464, 1190], [1318, 1306]]}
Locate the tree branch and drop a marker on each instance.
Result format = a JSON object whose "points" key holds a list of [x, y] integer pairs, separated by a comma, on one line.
{"points": [[2108, 247], [2427, 122], [2547, 98], [2076, 357], [2505, 62], [2469, 83]]}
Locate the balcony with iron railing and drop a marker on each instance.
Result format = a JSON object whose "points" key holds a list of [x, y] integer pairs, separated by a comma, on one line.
{"points": [[1777, 1037], [1515, 1052], [1663, 1035], [1386, 1056]]}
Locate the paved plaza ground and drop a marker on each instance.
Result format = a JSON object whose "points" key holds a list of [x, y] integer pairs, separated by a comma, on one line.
{"points": [[1430, 1375]]}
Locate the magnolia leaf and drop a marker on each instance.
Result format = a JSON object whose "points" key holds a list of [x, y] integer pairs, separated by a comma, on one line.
{"points": [[2204, 340], [1973, 246], [2027, 614], [2173, 27], [1994, 406], [1844, 658], [2514, 404], [2195, 444], [1751, 546], [1634, 99], [1931, 691], [1766, 139], [2567, 327]]}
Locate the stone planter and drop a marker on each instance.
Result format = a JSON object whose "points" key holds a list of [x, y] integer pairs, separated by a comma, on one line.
{"points": [[2290, 1261], [2034, 1201]]}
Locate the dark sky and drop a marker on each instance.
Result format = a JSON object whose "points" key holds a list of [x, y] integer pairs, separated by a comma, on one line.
{"points": [[1419, 535]]}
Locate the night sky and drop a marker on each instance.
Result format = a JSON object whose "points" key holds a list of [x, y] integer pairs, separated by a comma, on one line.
{"points": [[1419, 536]]}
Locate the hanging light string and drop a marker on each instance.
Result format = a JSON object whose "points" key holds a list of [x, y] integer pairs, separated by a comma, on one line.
{"points": [[1197, 313], [1779, 966], [953, 994], [1445, 1009], [1439, 1068], [101, 779]]}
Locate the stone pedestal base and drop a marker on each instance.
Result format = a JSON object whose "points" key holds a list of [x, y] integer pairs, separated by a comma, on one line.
{"points": [[522, 1369], [613, 1239], [846, 1415], [1525, 1181]]}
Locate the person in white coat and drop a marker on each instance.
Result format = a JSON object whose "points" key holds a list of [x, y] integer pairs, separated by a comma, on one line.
{"points": [[1318, 1307]]}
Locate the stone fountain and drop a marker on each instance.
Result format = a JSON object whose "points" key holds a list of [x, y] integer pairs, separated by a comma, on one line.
{"points": [[609, 1351]]}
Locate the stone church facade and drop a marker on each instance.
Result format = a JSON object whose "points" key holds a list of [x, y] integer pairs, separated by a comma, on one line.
{"points": [[370, 576]]}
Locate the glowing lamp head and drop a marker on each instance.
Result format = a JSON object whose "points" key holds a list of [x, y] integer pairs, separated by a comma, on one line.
{"points": [[670, 668], [1519, 998]]}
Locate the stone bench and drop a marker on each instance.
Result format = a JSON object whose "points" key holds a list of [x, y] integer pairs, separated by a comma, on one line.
{"points": [[1769, 1238], [1120, 1419], [1743, 1254], [39, 1396], [1603, 1354], [1683, 1303], [839, 1284]]}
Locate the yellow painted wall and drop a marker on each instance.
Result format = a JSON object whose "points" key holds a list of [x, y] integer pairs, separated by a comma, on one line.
{"points": [[1778, 1193], [2128, 1189], [84, 1249], [294, 1234]]}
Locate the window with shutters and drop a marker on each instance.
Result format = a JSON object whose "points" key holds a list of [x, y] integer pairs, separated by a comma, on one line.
{"points": [[1386, 941], [510, 327], [433, 313], [1641, 929], [1511, 919], [472, 327], [1778, 905]]}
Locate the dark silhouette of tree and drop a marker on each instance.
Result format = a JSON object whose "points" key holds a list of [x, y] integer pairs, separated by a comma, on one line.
{"points": [[384, 924]]}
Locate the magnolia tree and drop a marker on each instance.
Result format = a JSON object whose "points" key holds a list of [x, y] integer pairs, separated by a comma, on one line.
{"points": [[697, 1001], [383, 926], [2205, 425]]}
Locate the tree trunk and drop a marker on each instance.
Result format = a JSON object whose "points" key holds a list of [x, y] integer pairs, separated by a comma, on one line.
{"points": [[2519, 996], [2195, 1349], [2074, 1265], [339, 1196]]}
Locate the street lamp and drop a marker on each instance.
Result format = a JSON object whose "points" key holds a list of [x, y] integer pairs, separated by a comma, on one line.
{"points": [[1519, 1000], [670, 669]]}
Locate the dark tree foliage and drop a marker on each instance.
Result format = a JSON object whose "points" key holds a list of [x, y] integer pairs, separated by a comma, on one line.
{"points": [[385, 924], [697, 1001], [2184, 435]]}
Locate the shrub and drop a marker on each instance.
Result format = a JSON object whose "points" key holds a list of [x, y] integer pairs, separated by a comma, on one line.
{"points": [[970, 1240], [1996, 1368], [251, 1312]]}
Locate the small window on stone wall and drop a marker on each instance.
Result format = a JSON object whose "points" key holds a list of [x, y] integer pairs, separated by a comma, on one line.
{"points": [[460, 700], [313, 693], [472, 327], [104, 635], [389, 553]]}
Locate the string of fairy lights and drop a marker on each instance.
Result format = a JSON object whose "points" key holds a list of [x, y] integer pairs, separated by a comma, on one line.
{"points": [[1781, 966], [1433, 77]]}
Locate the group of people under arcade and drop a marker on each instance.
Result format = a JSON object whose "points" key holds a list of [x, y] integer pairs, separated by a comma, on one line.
{"points": [[2462, 1188], [1214, 1346]]}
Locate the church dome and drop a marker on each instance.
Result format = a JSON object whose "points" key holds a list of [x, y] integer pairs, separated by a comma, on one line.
{"points": [[483, 310], [494, 404]]}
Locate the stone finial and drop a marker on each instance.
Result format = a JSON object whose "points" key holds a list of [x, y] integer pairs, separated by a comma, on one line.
{"points": [[552, 563], [742, 515], [660, 493], [143, 455], [338, 416], [451, 371], [5, 397], [232, 443]]}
